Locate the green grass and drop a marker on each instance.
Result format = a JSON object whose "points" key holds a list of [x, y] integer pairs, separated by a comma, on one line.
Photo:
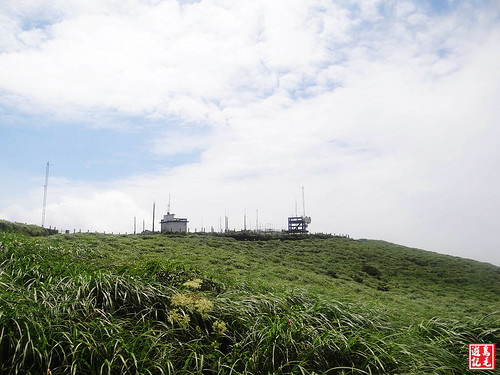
{"points": [[29, 229], [111, 304], [416, 283]]}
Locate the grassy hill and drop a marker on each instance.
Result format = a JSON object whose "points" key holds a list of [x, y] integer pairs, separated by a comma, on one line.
{"points": [[29, 229], [153, 304]]}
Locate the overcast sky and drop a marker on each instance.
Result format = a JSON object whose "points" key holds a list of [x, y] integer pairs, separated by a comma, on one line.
{"points": [[387, 112]]}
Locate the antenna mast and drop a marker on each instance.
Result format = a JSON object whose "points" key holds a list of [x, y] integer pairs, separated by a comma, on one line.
{"points": [[168, 207], [303, 203], [45, 193], [257, 220], [153, 216]]}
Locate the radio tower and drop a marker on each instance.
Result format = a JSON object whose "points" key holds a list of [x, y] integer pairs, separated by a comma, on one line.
{"points": [[45, 193]]}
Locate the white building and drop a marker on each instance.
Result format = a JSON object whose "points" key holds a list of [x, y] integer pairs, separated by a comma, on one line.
{"points": [[170, 224]]}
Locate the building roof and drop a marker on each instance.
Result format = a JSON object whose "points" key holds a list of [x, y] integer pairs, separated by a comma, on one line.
{"points": [[169, 218]]}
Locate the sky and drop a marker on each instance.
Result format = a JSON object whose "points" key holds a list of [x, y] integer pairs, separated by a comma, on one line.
{"points": [[386, 112]]}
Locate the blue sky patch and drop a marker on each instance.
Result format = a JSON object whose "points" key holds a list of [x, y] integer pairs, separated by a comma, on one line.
{"points": [[82, 153]]}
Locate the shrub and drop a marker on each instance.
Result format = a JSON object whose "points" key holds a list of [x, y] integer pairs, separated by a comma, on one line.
{"points": [[370, 270], [332, 274]]}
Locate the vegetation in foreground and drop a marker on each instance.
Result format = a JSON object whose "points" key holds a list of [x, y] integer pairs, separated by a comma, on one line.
{"points": [[140, 304]]}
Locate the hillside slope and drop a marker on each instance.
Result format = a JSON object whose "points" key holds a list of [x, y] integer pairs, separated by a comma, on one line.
{"points": [[87, 303], [28, 229], [417, 283]]}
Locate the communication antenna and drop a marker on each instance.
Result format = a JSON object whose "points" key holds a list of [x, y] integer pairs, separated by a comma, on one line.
{"points": [[153, 216], [256, 220], [245, 221], [303, 203], [45, 193], [168, 207]]}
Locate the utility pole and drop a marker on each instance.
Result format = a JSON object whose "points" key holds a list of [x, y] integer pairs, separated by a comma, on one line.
{"points": [[135, 222], [45, 193]]}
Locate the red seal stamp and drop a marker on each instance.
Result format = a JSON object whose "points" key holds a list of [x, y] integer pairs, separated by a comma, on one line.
{"points": [[481, 356]]}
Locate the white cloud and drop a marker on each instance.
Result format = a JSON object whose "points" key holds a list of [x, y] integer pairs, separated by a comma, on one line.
{"points": [[152, 60], [387, 119], [179, 142]]}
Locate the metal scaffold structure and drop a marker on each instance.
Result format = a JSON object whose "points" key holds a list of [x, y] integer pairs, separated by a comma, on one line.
{"points": [[298, 224]]}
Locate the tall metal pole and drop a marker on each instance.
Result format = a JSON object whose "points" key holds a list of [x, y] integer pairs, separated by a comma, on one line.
{"points": [[257, 220], [45, 193], [153, 217], [303, 203]]}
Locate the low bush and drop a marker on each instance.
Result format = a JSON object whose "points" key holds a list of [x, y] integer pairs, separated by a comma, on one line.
{"points": [[370, 270]]}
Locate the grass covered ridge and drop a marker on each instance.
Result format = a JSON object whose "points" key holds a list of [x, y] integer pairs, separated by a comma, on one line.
{"points": [[141, 304], [28, 229]]}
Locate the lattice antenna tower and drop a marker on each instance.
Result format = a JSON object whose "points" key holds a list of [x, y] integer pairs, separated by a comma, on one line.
{"points": [[45, 193]]}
